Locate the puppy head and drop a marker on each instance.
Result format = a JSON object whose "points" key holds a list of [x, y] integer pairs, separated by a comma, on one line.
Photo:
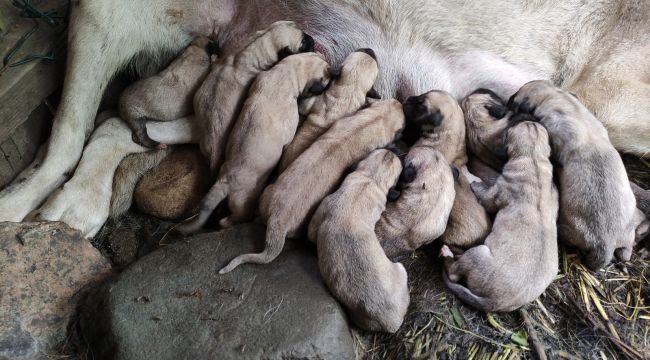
{"points": [[289, 39], [383, 166], [434, 112], [358, 71], [420, 166], [486, 119], [527, 139]]}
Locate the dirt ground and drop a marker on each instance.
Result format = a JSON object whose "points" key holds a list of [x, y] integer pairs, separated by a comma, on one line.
{"points": [[582, 315]]}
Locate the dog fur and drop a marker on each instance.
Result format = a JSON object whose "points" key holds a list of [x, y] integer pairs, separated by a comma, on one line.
{"points": [[168, 95], [351, 260], [345, 95], [598, 49], [287, 205], [436, 118], [420, 214], [597, 204], [519, 258], [268, 121], [218, 101]]}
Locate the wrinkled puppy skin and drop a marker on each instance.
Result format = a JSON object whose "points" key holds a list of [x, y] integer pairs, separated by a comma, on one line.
{"points": [[420, 214], [486, 119], [218, 101], [287, 204], [168, 95], [519, 258], [267, 123], [437, 120], [597, 204], [344, 95], [353, 265]]}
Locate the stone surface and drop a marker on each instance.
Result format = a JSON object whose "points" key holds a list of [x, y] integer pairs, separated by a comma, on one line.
{"points": [[124, 246], [172, 304], [43, 268], [173, 189]]}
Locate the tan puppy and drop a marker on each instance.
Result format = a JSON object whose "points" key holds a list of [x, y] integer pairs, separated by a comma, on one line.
{"points": [[481, 171], [219, 100], [597, 204], [519, 258], [420, 214], [168, 95], [345, 95], [351, 260], [437, 118], [287, 204], [267, 123], [486, 119]]}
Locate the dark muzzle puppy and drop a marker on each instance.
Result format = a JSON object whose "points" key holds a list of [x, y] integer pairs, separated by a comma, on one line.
{"points": [[519, 258], [351, 260]]}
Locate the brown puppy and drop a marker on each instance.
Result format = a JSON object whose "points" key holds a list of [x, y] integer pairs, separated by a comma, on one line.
{"points": [[486, 120], [168, 95], [218, 101], [597, 204], [437, 118], [351, 260], [345, 95], [519, 258], [420, 214], [287, 204], [267, 123]]}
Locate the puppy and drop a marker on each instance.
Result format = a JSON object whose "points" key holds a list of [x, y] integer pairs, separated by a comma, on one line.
{"points": [[479, 171], [519, 258], [168, 95], [437, 120], [351, 260], [420, 214], [220, 98], [267, 123], [345, 95], [486, 120], [597, 205], [287, 204]]}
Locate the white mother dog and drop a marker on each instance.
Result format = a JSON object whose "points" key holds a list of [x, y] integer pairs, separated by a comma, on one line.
{"points": [[456, 46]]}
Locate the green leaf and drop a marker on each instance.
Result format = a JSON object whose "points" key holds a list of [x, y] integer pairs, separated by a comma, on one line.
{"points": [[459, 320], [520, 338]]}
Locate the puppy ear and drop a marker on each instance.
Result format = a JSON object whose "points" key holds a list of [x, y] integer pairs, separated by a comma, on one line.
{"points": [[408, 174], [284, 52], [393, 194], [373, 94], [317, 88], [455, 173], [497, 111]]}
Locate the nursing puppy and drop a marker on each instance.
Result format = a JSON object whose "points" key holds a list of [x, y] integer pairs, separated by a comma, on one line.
{"points": [[519, 258], [420, 214], [287, 204], [168, 95], [220, 98], [345, 95], [486, 119], [268, 121], [597, 205], [351, 260], [437, 120]]}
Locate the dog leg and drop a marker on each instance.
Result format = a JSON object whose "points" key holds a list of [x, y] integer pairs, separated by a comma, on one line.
{"points": [[179, 131], [103, 36], [84, 201]]}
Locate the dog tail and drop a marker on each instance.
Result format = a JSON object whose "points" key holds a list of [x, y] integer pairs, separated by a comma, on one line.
{"points": [[467, 296], [275, 236], [218, 192]]}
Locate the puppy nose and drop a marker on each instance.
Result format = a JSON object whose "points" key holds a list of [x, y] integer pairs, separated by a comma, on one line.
{"points": [[307, 43], [370, 52]]}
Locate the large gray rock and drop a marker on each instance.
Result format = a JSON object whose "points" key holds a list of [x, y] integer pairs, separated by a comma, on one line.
{"points": [[172, 304], [43, 267]]}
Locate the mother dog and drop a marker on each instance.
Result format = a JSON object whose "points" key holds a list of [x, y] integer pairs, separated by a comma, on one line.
{"points": [[597, 49]]}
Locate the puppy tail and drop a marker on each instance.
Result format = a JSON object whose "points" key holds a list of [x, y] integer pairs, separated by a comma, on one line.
{"points": [[218, 192], [467, 296], [275, 236]]}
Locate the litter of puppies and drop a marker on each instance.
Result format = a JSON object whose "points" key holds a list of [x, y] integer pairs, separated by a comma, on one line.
{"points": [[302, 147]]}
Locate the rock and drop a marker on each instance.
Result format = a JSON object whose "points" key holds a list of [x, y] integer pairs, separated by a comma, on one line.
{"points": [[173, 189], [43, 268], [124, 246], [172, 304]]}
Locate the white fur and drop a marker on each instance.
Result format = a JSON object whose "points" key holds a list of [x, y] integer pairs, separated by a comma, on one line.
{"points": [[179, 131]]}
